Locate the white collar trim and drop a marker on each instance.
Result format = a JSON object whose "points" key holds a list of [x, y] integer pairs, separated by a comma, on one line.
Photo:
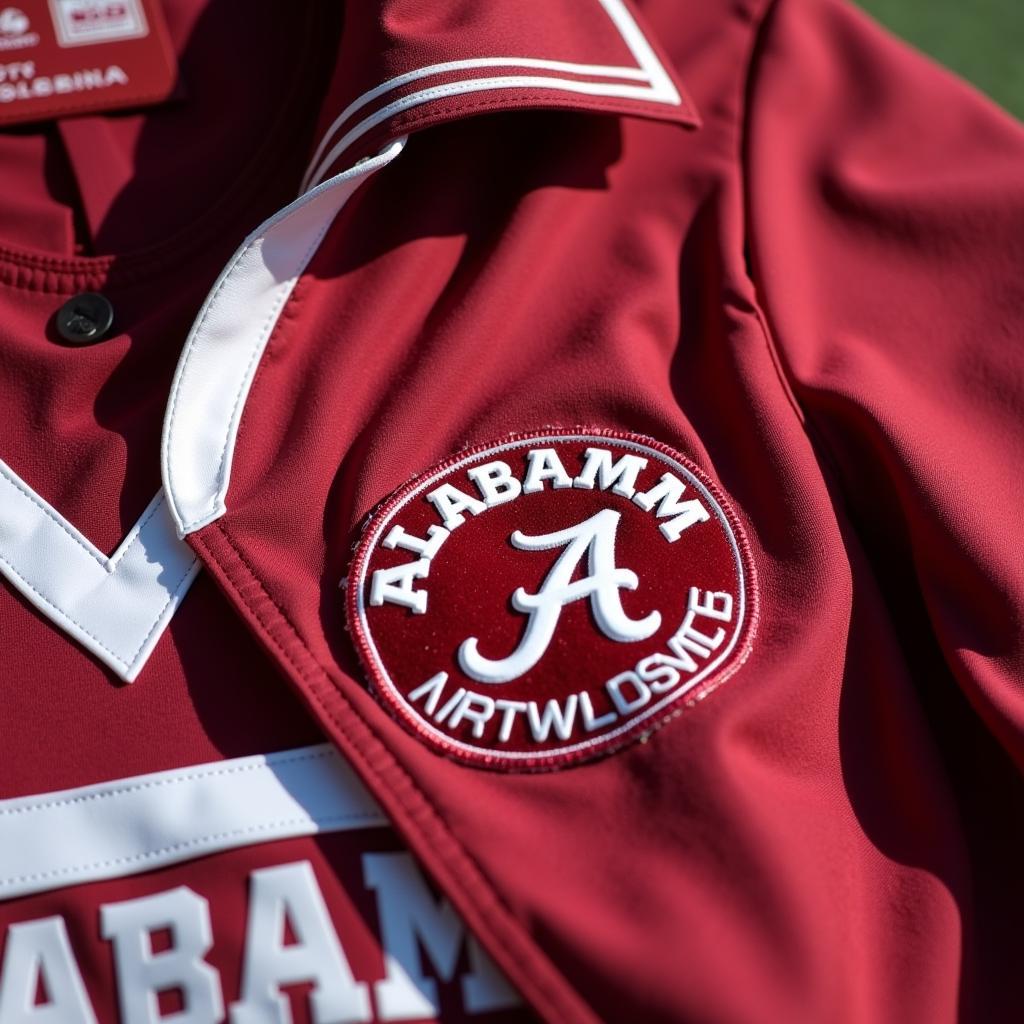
{"points": [[223, 349], [647, 81], [116, 606]]}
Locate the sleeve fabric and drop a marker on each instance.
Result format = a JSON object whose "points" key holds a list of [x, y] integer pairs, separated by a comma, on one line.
{"points": [[885, 203]]}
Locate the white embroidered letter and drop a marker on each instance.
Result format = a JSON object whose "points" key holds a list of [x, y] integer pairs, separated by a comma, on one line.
{"points": [[665, 495], [476, 708], [398, 538], [411, 920], [553, 718], [395, 585], [544, 464], [623, 704], [595, 538], [450, 503], [495, 483], [619, 476]]}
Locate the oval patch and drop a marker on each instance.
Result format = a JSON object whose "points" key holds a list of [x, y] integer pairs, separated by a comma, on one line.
{"points": [[547, 598]]}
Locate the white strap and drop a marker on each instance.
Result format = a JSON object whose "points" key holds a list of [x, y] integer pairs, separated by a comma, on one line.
{"points": [[133, 825]]}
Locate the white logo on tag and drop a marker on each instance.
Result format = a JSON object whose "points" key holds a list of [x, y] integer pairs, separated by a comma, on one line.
{"points": [[80, 22], [595, 538], [13, 22], [14, 30]]}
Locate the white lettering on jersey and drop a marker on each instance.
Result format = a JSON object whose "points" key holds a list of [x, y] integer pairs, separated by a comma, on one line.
{"points": [[411, 920], [396, 585], [496, 483], [38, 956], [143, 974], [290, 894], [620, 476], [544, 464], [398, 538], [39, 952], [595, 538], [665, 494], [575, 714], [450, 503]]}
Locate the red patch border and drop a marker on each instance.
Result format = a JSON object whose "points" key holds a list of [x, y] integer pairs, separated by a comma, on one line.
{"points": [[386, 692]]}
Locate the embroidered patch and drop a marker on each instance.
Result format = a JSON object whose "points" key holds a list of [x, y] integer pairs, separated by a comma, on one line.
{"points": [[547, 598]]}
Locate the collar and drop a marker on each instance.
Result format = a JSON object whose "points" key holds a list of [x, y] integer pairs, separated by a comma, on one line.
{"points": [[405, 65]]}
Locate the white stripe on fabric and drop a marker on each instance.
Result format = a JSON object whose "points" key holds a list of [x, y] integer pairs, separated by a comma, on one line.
{"points": [[116, 607], [657, 86], [120, 828]]}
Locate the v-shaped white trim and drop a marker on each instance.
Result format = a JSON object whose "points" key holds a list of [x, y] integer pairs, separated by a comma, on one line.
{"points": [[119, 606], [223, 350], [116, 606]]}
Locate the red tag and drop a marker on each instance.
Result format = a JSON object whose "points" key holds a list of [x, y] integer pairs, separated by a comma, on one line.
{"points": [[547, 598], [66, 57]]}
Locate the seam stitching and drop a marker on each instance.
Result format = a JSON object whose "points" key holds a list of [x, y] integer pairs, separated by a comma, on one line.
{"points": [[64, 614], [190, 346], [159, 615], [159, 783], [125, 662], [286, 287], [188, 844], [133, 535], [51, 513]]}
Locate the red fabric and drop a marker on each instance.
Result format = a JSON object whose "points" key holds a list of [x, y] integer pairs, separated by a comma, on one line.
{"points": [[833, 836], [814, 296], [402, 44], [82, 428], [115, 180]]}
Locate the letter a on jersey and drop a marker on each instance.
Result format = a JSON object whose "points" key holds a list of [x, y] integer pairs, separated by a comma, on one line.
{"points": [[582, 588], [595, 535]]}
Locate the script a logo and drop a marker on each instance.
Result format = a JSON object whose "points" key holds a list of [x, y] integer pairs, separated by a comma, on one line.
{"points": [[595, 537], [547, 598]]}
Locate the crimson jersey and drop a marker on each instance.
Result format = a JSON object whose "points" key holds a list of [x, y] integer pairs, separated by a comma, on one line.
{"points": [[508, 511]]}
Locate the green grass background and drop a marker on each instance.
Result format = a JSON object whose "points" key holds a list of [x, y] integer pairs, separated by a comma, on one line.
{"points": [[981, 40]]}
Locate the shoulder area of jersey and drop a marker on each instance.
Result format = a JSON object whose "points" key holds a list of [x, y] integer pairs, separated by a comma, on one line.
{"points": [[547, 598]]}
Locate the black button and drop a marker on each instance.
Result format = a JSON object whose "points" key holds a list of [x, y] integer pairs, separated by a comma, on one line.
{"points": [[85, 318]]}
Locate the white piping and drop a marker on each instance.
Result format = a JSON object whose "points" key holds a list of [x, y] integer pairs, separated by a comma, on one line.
{"points": [[594, 70], [658, 87], [114, 829], [224, 347]]}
